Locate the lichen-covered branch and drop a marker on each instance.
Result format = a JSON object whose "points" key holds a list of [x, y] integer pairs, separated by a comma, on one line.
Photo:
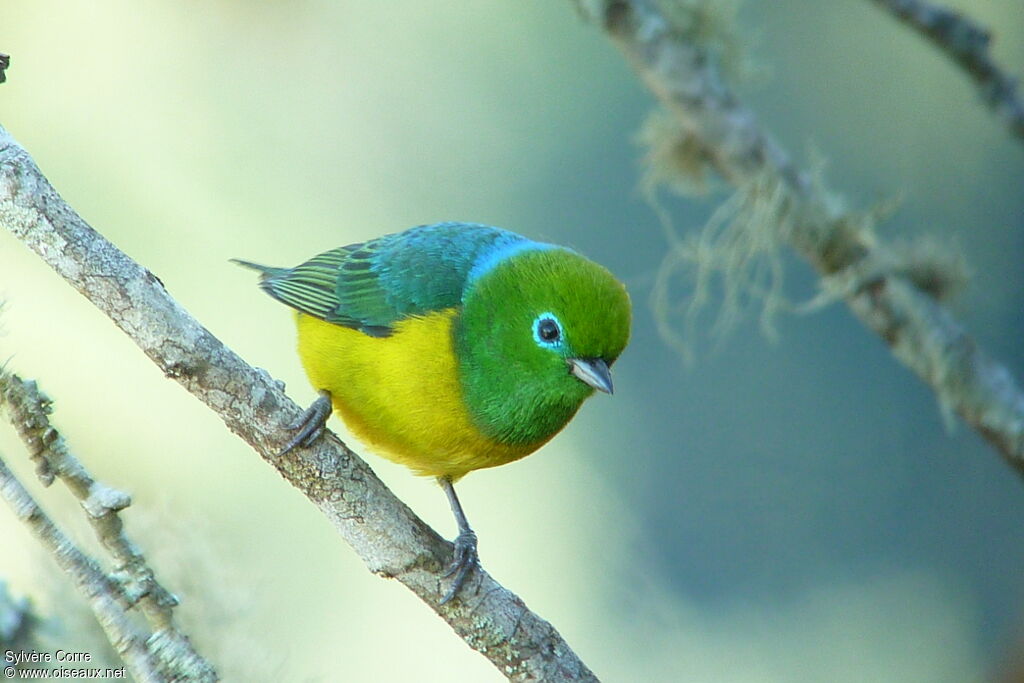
{"points": [[967, 44], [391, 540], [895, 300], [103, 595], [28, 410]]}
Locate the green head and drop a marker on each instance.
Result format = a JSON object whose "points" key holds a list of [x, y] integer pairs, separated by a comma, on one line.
{"points": [[536, 336]]}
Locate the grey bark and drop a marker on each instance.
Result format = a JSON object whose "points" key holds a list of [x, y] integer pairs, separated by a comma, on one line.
{"points": [[166, 652], [390, 539], [921, 333], [967, 45]]}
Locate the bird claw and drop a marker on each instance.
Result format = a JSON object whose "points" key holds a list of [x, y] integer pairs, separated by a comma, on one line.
{"points": [[464, 559], [311, 424]]}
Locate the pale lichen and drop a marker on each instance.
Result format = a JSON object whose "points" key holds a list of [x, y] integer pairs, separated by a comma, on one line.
{"points": [[673, 157], [736, 256], [711, 25]]}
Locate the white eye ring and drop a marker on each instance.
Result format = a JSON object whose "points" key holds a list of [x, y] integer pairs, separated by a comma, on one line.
{"points": [[547, 330]]}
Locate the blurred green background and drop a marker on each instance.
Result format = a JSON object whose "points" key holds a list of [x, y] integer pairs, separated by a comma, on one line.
{"points": [[787, 511]]}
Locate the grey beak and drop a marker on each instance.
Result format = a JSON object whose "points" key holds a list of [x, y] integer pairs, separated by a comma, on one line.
{"points": [[592, 371]]}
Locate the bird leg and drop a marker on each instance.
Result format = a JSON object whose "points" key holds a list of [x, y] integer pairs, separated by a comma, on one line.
{"points": [[465, 556], [310, 424]]}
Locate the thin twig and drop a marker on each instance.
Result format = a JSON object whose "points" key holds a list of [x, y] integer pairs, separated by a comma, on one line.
{"points": [[103, 595], [391, 540], [922, 334], [28, 410], [967, 44]]}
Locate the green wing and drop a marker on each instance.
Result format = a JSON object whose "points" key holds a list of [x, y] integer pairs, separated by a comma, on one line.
{"points": [[370, 285]]}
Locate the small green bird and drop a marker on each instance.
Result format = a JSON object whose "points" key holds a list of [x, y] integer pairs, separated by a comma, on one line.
{"points": [[452, 347]]}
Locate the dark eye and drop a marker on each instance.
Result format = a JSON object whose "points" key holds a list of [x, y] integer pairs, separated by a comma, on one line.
{"points": [[548, 330]]}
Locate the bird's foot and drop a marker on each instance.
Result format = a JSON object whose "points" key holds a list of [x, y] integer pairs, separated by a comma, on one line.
{"points": [[464, 560], [310, 424]]}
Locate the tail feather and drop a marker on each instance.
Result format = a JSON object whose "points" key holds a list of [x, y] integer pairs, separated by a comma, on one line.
{"points": [[265, 271]]}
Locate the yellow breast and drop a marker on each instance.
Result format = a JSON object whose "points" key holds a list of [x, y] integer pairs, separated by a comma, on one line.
{"points": [[401, 394]]}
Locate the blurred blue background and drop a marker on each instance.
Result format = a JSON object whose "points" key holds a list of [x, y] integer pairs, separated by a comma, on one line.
{"points": [[788, 510]]}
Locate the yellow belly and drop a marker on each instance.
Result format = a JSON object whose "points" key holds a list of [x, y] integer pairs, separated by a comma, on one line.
{"points": [[401, 395]]}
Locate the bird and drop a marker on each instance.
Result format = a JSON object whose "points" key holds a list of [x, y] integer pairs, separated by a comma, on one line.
{"points": [[451, 347]]}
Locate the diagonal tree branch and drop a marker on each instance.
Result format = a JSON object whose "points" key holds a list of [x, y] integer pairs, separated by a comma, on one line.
{"points": [[391, 540], [133, 579], [967, 44], [687, 79]]}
